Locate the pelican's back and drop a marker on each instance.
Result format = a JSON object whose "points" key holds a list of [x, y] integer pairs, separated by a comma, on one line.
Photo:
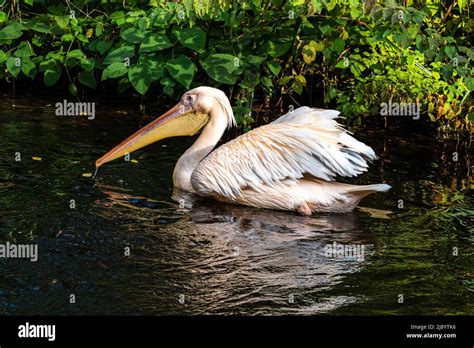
{"points": [[288, 164]]}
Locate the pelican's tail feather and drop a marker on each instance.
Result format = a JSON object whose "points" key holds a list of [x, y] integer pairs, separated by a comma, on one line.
{"points": [[362, 189]]}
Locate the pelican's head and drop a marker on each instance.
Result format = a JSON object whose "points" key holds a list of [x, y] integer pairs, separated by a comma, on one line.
{"points": [[196, 109]]}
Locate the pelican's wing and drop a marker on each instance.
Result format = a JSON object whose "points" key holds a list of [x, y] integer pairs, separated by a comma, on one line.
{"points": [[304, 141]]}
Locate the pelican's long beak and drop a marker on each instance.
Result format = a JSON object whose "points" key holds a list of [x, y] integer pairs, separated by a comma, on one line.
{"points": [[180, 120]]}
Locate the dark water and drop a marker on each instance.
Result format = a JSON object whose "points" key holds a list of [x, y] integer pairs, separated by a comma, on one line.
{"points": [[215, 258]]}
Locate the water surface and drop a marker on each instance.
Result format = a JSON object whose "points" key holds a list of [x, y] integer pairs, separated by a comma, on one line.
{"points": [[213, 258]]}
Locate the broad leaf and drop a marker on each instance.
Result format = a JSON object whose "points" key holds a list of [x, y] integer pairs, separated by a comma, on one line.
{"points": [[278, 48], [29, 68], [140, 77], [133, 35], [119, 54], [193, 38], [114, 70], [154, 43], [51, 77], [14, 66], [274, 67], [87, 78], [223, 68], [10, 33], [182, 70]]}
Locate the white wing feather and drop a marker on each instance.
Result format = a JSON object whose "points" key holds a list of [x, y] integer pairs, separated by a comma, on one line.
{"points": [[303, 141]]}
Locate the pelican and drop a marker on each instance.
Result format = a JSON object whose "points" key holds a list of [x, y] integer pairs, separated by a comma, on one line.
{"points": [[289, 164]]}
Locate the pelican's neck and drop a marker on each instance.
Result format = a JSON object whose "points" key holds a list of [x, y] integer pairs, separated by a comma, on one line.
{"points": [[208, 139]]}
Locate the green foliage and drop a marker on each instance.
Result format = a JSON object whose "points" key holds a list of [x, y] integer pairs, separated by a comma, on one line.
{"points": [[358, 53]]}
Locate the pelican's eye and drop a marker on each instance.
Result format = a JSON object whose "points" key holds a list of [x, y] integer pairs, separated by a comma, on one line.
{"points": [[189, 99]]}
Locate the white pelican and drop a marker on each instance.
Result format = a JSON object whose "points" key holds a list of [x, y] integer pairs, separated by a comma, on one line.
{"points": [[289, 164]]}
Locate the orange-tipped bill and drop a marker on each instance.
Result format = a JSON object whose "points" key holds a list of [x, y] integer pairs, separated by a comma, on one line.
{"points": [[178, 121]]}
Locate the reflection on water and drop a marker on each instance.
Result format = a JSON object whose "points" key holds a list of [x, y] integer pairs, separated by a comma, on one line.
{"points": [[132, 245]]}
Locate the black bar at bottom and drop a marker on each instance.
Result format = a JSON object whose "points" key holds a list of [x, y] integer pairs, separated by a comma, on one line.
{"points": [[249, 330]]}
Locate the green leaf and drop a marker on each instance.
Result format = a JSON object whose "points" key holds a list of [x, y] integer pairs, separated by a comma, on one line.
{"points": [[154, 63], [155, 42], [469, 82], [256, 61], [99, 29], [87, 78], [267, 83], [342, 64], [133, 35], [274, 67], [14, 66], [67, 38], [338, 45], [3, 56], [10, 32], [29, 68], [73, 89], [450, 51], [193, 38], [447, 72], [41, 27], [276, 49], [223, 68], [402, 39], [118, 17], [88, 63], [119, 54], [298, 83], [325, 29], [62, 21], [103, 46], [3, 17], [75, 54], [51, 77], [168, 85], [123, 84], [114, 70], [285, 79], [140, 77], [142, 24], [462, 4], [24, 50], [182, 70], [309, 53]]}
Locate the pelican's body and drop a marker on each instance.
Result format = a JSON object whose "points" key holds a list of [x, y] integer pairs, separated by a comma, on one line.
{"points": [[289, 164]]}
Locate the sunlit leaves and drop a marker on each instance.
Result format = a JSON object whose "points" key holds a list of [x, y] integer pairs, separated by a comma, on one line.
{"points": [[354, 50], [133, 35], [155, 42], [140, 77], [119, 54], [3, 17], [193, 38], [182, 69], [223, 68]]}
